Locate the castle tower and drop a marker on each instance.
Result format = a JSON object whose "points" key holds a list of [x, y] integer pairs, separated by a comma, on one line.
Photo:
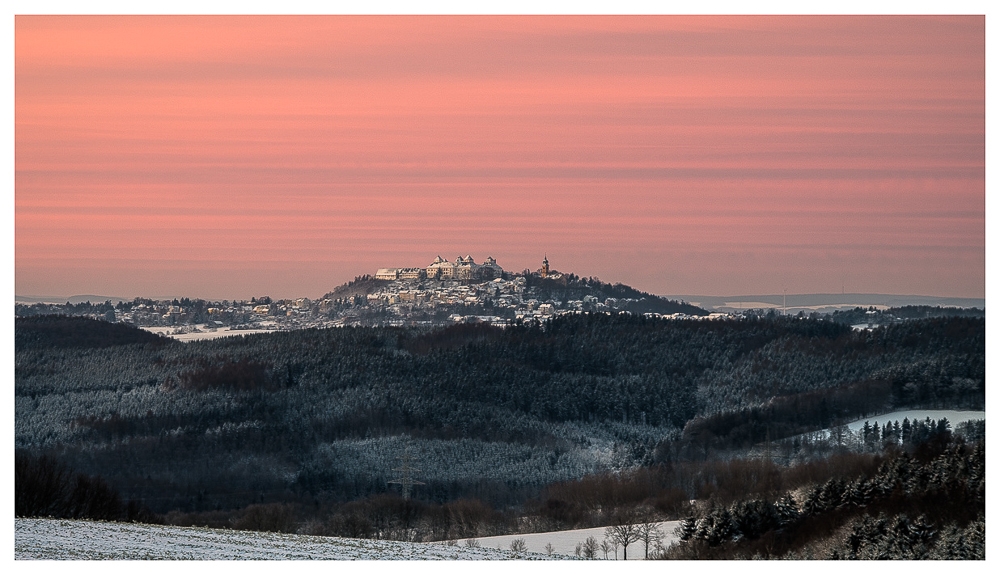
{"points": [[544, 272]]}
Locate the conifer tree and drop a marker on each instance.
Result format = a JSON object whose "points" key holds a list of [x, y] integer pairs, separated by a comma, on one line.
{"points": [[787, 510], [687, 529]]}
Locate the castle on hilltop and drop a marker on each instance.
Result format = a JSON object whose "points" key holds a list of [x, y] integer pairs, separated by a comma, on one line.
{"points": [[463, 268]]}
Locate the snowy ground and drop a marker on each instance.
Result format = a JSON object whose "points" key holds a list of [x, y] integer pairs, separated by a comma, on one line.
{"points": [[65, 539], [564, 542]]}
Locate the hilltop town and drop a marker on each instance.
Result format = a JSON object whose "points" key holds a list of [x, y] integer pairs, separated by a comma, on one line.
{"points": [[442, 293]]}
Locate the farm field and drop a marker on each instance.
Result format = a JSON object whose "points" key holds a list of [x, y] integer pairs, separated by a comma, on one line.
{"points": [[565, 542], [89, 540]]}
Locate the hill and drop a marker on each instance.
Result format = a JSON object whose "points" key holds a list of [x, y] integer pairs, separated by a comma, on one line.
{"points": [[625, 297], [57, 331], [513, 295], [359, 286]]}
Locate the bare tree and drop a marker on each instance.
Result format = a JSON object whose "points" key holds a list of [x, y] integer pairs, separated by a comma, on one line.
{"points": [[591, 547], [519, 545], [650, 534], [549, 549], [605, 547], [623, 531]]}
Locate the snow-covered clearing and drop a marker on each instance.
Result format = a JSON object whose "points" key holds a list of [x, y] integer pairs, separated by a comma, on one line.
{"points": [[954, 417], [66, 539], [564, 542], [203, 332]]}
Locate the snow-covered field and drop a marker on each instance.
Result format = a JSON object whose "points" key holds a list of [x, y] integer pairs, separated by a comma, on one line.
{"points": [[204, 332], [954, 417], [66, 539], [564, 542]]}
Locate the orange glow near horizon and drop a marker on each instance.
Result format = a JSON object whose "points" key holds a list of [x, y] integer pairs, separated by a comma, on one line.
{"points": [[236, 156]]}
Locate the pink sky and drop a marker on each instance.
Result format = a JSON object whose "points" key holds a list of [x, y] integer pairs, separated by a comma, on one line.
{"points": [[230, 157]]}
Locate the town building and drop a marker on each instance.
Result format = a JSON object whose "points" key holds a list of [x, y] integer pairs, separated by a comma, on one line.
{"points": [[463, 268]]}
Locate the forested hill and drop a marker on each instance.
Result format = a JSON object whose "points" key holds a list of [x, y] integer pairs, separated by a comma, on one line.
{"points": [[860, 315], [573, 287], [562, 289], [56, 331], [489, 412], [359, 286]]}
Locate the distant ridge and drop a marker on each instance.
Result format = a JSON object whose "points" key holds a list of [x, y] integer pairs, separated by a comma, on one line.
{"points": [[823, 302], [73, 299]]}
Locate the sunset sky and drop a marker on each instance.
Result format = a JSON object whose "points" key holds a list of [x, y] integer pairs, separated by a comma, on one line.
{"points": [[230, 157]]}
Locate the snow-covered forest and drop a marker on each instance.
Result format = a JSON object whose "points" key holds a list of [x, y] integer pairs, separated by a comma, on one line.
{"points": [[318, 419], [930, 505]]}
